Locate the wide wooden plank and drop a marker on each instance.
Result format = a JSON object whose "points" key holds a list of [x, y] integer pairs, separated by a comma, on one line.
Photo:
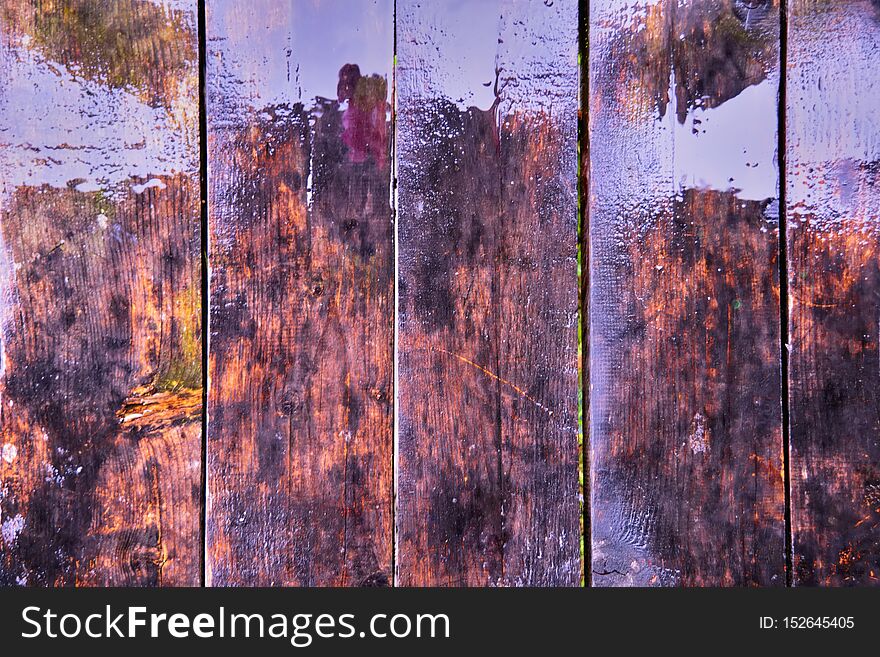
{"points": [[685, 408], [488, 293], [100, 369], [833, 203], [299, 447]]}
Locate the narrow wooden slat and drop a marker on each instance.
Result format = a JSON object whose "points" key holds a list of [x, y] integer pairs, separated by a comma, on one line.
{"points": [[488, 297], [685, 407], [833, 203], [100, 367], [301, 293]]}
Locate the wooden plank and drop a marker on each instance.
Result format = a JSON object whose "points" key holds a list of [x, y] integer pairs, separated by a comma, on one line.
{"points": [[299, 467], [488, 296], [100, 370], [833, 203], [685, 408]]}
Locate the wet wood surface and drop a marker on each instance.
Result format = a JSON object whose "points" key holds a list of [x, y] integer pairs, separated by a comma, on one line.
{"points": [[685, 392], [488, 305], [299, 441], [100, 375], [833, 201], [632, 355]]}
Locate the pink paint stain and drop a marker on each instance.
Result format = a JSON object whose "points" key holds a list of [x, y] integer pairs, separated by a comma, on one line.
{"points": [[365, 128]]}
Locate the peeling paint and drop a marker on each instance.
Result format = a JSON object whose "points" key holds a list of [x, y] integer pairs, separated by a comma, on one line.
{"points": [[10, 529], [9, 453]]}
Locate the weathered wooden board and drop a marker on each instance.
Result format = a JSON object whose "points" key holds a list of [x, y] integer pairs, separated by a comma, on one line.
{"points": [[488, 293], [299, 444], [685, 408], [100, 331], [100, 366], [833, 203]]}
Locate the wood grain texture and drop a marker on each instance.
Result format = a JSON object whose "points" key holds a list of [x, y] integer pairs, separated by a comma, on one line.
{"points": [[833, 202], [488, 296], [100, 375], [301, 294], [685, 408]]}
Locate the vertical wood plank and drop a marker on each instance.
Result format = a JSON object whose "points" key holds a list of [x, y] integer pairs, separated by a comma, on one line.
{"points": [[686, 444], [488, 297], [100, 366], [833, 203], [301, 293]]}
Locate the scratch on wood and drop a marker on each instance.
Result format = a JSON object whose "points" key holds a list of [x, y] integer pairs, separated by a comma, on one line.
{"points": [[494, 376]]}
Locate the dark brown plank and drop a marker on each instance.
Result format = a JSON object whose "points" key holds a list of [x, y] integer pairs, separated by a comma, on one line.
{"points": [[301, 293], [686, 441], [833, 203], [100, 370], [488, 297]]}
